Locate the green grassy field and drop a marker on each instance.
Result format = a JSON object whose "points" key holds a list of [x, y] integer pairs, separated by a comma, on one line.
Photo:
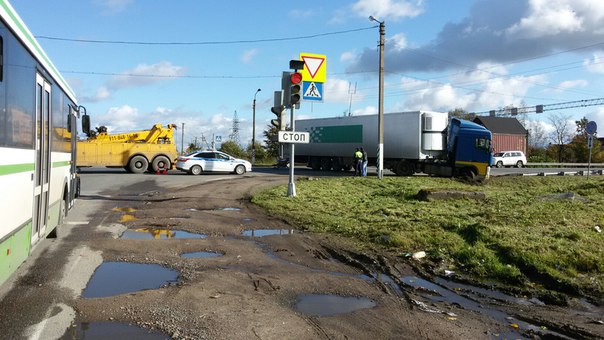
{"points": [[527, 231]]}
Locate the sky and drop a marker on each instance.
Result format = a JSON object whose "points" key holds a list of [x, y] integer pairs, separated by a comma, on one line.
{"points": [[136, 63]]}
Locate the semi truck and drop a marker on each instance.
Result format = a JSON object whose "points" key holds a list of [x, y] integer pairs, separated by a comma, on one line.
{"points": [[419, 141], [139, 151]]}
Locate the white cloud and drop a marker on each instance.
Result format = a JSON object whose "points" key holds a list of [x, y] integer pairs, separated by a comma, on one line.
{"points": [[548, 17], [367, 110], [144, 74], [338, 91], [120, 119], [569, 84], [248, 55], [595, 65], [114, 6], [101, 94], [399, 41], [388, 9], [347, 57]]}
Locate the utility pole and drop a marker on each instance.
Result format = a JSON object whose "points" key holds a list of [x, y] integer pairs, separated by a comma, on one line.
{"points": [[254, 128], [182, 140], [380, 152]]}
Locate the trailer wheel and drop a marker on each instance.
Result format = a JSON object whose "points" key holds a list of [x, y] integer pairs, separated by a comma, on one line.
{"points": [[336, 164], [315, 163], [404, 168], [138, 164], [325, 163], [160, 162]]}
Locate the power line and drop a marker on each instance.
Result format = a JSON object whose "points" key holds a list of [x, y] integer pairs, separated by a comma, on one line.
{"points": [[547, 107], [226, 42]]}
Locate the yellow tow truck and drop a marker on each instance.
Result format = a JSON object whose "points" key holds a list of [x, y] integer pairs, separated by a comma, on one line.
{"points": [[147, 150]]}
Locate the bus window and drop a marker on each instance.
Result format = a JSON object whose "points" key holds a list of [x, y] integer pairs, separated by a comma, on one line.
{"points": [[1, 58]]}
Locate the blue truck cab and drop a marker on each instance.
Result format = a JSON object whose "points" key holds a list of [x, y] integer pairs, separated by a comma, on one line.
{"points": [[469, 148]]}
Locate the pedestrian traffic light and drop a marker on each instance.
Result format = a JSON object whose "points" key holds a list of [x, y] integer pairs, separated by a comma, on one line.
{"points": [[279, 122]]}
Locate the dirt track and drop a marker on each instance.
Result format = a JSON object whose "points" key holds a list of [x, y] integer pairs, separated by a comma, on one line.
{"points": [[253, 289]]}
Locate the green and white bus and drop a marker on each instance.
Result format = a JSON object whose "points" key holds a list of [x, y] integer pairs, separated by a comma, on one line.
{"points": [[38, 111]]}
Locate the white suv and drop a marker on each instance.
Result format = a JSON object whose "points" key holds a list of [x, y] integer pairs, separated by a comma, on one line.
{"points": [[509, 158]]}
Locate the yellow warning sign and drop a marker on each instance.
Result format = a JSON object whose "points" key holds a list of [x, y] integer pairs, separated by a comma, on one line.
{"points": [[314, 67]]}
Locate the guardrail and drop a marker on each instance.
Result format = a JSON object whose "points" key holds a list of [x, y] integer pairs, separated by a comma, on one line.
{"points": [[564, 165]]}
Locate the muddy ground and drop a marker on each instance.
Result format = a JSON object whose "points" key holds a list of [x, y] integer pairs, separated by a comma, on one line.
{"points": [[259, 287]]}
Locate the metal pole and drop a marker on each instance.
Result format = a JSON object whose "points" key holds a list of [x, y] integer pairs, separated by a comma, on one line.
{"points": [[254, 128], [381, 105], [291, 186], [182, 140]]}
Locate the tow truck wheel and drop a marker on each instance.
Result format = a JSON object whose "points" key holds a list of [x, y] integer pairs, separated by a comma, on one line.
{"points": [[138, 164], [404, 168], [160, 162]]}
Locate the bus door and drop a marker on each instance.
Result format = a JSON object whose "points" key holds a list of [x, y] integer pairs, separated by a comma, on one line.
{"points": [[42, 158]]}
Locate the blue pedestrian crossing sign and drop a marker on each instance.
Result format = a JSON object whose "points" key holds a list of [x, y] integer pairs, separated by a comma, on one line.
{"points": [[312, 90]]}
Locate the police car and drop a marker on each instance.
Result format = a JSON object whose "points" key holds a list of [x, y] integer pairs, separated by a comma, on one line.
{"points": [[212, 161]]}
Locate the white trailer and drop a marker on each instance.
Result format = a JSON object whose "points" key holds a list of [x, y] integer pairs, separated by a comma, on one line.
{"points": [[417, 141]]}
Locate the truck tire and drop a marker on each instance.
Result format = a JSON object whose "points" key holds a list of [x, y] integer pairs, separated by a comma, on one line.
{"points": [[336, 164], [195, 170], [468, 174], [404, 168], [138, 164], [325, 163], [315, 163], [160, 162]]}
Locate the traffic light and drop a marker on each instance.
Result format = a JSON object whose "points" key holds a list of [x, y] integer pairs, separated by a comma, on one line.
{"points": [[291, 83], [279, 111], [295, 92]]}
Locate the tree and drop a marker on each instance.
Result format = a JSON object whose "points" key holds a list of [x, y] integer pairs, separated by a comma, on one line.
{"points": [[233, 149], [270, 140], [261, 154], [461, 114], [579, 144], [562, 134]]}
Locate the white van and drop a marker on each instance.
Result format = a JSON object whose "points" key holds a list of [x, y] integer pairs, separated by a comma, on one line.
{"points": [[509, 158]]}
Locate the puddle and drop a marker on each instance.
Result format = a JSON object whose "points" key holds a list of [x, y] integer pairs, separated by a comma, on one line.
{"points": [[200, 254], [192, 209], [159, 234], [179, 218], [110, 330], [247, 220], [266, 232], [127, 218], [437, 292], [124, 209], [228, 209], [115, 278], [327, 305]]}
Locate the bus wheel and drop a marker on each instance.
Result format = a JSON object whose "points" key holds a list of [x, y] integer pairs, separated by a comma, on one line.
{"points": [[62, 213], [138, 164]]}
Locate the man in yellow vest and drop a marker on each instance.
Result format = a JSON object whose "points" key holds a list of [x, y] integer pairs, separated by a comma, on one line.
{"points": [[358, 162]]}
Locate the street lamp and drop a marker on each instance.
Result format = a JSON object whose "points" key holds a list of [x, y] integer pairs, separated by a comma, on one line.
{"points": [[254, 128], [380, 160]]}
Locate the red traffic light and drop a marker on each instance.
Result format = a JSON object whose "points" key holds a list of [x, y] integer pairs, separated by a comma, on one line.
{"points": [[296, 78]]}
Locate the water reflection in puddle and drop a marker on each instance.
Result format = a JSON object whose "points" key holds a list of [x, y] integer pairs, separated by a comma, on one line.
{"points": [[200, 254], [247, 220], [327, 305], [114, 278], [438, 292], [266, 232], [124, 209], [110, 330], [228, 209], [158, 233]]}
